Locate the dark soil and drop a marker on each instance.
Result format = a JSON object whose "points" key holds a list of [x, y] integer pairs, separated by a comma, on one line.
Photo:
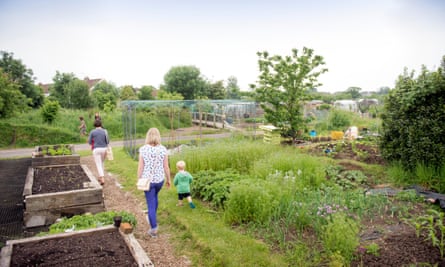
{"points": [[58, 179], [100, 248], [346, 150]]}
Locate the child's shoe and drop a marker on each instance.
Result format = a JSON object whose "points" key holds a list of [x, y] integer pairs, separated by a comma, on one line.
{"points": [[192, 205]]}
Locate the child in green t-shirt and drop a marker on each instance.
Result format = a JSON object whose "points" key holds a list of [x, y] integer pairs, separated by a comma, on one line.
{"points": [[182, 183]]}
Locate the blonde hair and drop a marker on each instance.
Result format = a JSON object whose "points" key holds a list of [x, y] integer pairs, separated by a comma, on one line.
{"points": [[153, 137], [180, 165]]}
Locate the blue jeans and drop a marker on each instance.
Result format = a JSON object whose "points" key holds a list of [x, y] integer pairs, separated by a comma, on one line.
{"points": [[151, 196]]}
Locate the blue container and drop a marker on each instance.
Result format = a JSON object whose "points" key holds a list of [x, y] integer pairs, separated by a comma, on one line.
{"points": [[313, 133]]}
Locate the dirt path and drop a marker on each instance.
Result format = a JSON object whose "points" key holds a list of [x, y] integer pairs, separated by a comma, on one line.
{"points": [[159, 250]]}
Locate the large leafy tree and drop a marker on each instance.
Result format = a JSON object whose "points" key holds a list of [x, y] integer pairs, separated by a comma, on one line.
{"points": [[70, 92], [105, 93], [185, 80], [127, 93], [78, 94], [354, 92], [146, 92], [22, 76], [216, 90], [283, 85], [413, 120], [11, 99]]}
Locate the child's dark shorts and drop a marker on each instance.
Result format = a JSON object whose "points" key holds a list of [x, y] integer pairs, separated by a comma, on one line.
{"points": [[181, 196]]}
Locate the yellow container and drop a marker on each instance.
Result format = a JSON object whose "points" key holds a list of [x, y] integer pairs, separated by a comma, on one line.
{"points": [[337, 135]]}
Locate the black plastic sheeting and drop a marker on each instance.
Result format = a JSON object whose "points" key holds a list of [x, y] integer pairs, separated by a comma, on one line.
{"points": [[430, 196], [12, 181]]}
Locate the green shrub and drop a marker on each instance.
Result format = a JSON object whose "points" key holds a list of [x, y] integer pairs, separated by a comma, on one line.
{"points": [[413, 121], [340, 236], [214, 186], [250, 201], [49, 111], [339, 120]]}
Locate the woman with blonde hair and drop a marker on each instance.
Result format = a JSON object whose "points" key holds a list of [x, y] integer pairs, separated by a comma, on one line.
{"points": [[153, 165]]}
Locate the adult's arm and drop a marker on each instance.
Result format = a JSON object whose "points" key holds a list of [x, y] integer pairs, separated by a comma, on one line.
{"points": [[140, 166], [167, 171]]}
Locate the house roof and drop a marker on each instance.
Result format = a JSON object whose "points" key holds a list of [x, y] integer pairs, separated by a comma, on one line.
{"points": [[90, 82]]}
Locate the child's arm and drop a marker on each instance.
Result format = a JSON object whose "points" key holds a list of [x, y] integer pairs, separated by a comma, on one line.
{"points": [[175, 180]]}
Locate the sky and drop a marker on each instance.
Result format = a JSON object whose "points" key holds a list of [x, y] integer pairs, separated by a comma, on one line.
{"points": [[365, 43]]}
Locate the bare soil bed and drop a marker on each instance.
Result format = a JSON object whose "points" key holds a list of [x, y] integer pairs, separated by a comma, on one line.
{"points": [[100, 248], [58, 179]]}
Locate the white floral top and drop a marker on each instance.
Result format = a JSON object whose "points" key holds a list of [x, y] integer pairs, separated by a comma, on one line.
{"points": [[153, 157]]}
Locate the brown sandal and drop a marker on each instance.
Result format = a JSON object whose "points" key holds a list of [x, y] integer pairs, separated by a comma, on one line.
{"points": [[101, 181]]}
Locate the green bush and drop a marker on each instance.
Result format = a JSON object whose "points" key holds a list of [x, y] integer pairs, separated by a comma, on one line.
{"points": [[251, 201], [214, 186], [414, 120], [339, 120], [49, 111], [340, 237]]}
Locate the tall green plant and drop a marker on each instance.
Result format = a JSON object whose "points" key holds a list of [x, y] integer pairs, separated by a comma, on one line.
{"points": [[283, 86], [50, 110], [251, 201], [340, 237], [414, 120]]}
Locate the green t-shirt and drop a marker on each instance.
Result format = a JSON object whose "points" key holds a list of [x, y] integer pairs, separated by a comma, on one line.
{"points": [[182, 181]]}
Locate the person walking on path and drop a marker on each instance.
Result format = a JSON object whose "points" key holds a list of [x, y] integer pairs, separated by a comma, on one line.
{"points": [[82, 126], [153, 165], [182, 181], [99, 141]]}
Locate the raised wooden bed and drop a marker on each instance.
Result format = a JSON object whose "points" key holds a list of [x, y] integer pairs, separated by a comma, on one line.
{"points": [[46, 208], [54, 155], [61, 250]]}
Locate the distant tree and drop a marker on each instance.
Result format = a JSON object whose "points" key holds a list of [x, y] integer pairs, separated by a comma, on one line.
{"points": [[185, 80], [103, 93], [58, 88], [354, 92], [146, 92], [323, 96], [216, 90], [232, 88], [78, 93], [283, 86], [384, 90], [23, 77], [49, 111], [164, 95], [70, 92], [127, 93], [11, 99]]}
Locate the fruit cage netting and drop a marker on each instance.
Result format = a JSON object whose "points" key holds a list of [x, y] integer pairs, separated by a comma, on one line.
{"points": [[228, 114]]}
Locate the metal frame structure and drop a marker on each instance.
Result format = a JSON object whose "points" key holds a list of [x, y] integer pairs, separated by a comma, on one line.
{"points": [[229, 111]]}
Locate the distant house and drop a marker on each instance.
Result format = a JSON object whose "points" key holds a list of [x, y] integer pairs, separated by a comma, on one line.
{"points": [[348, 105], [91, 84]]}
